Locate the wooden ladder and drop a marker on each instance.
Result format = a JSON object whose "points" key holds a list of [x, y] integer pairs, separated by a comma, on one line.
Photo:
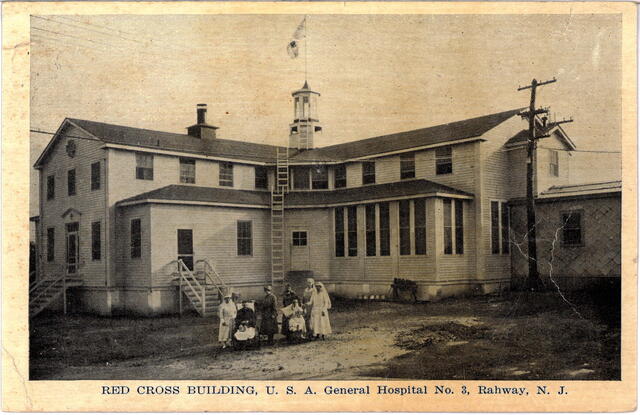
{"points": [[277, 216]]}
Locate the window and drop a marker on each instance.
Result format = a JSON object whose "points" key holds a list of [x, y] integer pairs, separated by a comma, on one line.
{"points": [[405, 230], [385, 235], [420, 226], [95, 176], [299, 238], [185, 247], [554, 163], [505, 227], [245, 238], [446, 220], [499, 227], [136, 238], [319, 177], [51, 244], [51, 187], [144, 166], [340, 177], [370, 222], [459, 227], [407, 166], [572, 228], [368, 172], [226, 174], [71, 182], [444, 160], [187, 170], [96, 243], [339, 231], [300, 178], [262, 182], [352, 235], [495, 227]]}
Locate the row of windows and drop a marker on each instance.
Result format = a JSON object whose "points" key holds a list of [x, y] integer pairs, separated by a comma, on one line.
{"points": [[377, 230], [71, 181], [72, 231], [144, 171]]}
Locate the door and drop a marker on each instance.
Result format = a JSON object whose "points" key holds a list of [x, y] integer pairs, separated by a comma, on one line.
{"points": [[300, 250], [73, 250], [185, 247]]}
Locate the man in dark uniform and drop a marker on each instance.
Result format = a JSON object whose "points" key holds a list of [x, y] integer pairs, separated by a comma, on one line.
{"points": [[287, 298], [269, 325]]}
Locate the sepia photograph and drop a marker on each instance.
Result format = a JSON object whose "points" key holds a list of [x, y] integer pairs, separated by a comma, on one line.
{"points": [[273, 196]]}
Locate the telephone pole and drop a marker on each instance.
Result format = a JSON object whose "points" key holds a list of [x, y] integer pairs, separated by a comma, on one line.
{"points": [[533, 280]]}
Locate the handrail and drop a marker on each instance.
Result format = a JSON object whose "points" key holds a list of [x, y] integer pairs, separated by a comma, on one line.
{"points": [[52, 281], [181, 265], [207, 276]]}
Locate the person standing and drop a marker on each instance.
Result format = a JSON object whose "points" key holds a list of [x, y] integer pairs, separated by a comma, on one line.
{"points": [[320, 305], [269, 326], [287, 299], [227, 313], [307, 295]]}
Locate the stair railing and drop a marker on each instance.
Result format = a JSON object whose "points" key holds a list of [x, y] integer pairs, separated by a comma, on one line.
{"points": [[51, 282], [199, 289], [209, 270]]}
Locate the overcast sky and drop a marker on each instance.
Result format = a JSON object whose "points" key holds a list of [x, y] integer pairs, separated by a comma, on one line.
{"points": [[377, 74]]}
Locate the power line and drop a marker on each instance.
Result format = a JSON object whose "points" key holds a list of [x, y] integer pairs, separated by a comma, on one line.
{"points": [[583, 151], [84, 28]]}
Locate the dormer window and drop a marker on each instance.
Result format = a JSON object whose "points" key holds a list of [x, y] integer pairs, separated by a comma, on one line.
{"points": [[444, 160], [407, 166]]}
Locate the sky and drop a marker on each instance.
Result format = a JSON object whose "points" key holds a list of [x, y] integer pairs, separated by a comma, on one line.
{"points": [[377, 74]]}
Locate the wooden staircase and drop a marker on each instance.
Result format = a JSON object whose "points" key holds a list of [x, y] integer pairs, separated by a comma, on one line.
{"points": [[45, 291], [203, 287], [278, 238]]}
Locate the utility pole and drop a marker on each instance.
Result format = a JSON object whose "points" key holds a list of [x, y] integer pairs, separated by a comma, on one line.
{"points": [[533, 280]]}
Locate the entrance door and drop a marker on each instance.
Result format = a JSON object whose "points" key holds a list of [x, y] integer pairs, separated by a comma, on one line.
{"points": [[185, 247], [73, 251], [300, 250]]}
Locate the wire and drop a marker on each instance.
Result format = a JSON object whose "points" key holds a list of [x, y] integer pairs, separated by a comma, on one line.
{"points": [[84, 28], [583, 151]]}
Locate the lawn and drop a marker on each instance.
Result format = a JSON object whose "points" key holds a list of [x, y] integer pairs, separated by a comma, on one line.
{"points": [[512, 336]]}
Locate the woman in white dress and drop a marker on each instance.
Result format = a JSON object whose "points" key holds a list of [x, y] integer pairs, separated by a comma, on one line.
{"points": [[227, 313], [320, 305]]}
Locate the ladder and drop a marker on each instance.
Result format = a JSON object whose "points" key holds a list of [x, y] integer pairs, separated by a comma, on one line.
{"points": [[280, 188]]}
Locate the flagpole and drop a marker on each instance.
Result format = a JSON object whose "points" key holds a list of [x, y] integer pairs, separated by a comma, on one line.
{"points": [[306, 46]]}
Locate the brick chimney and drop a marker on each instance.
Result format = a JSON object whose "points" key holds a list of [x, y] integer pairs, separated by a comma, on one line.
{"points": [[201, 129]]}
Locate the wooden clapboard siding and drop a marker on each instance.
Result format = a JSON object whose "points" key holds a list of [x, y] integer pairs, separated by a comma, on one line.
{"points": [[214, 239], [89, 203], [462, 177], [133, 272], [456, 266], [544, 178], [387, 169], [319, 226], [518, 176], [354, 174]]}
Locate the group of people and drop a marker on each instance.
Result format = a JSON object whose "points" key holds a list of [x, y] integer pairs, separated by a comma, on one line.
{"points": [[302, 318]]}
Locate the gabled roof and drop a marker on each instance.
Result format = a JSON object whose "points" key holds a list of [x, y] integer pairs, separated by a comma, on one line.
{"points": [[263, 153], [439, 134], [117, 134], [222, 196], [522, 136]]}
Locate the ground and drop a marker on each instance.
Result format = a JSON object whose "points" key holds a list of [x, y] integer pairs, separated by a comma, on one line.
{"points": [[523, 336]]}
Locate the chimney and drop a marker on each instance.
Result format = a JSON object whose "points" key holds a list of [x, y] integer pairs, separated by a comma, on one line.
{"points": [[201, 129]]}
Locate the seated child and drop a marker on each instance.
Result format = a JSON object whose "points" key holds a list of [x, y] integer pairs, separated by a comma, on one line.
{"points": [[296, 321], [245, 322]]}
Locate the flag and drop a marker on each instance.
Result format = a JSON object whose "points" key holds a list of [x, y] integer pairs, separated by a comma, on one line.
{"points": [[300, 33]]}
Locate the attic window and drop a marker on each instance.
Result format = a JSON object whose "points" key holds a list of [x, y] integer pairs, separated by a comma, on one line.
{"points": [[444, 160], [554, 163]]}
